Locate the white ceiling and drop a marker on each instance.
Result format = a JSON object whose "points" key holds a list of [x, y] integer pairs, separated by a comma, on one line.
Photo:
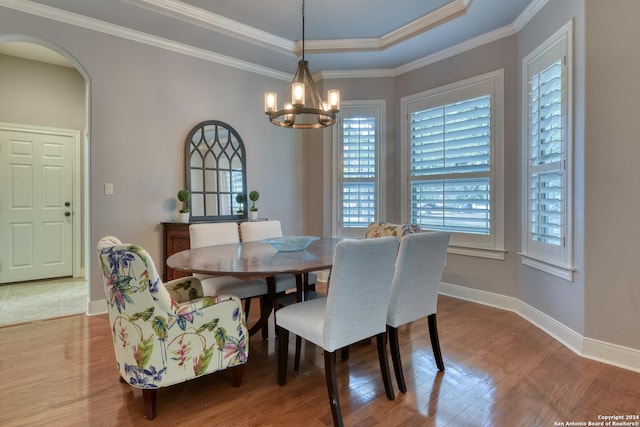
{"points": [[340, 35]]}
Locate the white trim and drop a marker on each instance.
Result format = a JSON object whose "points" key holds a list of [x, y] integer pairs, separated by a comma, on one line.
{"points": [[140, 37], [492, 83], [560, 261], [560, 271], [380, 108], [261, 38], [601, 351]]}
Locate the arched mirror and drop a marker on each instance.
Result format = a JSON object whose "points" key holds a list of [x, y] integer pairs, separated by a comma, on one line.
{"points": [[216, 172]]}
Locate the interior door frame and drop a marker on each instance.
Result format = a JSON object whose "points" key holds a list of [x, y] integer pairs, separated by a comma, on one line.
{"points": [[78, 204]]}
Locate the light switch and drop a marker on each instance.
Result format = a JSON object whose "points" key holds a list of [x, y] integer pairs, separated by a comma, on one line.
{"points": [[108, 189]]}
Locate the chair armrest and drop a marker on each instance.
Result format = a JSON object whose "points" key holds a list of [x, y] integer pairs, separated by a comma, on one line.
{"points": [[184, 289]]}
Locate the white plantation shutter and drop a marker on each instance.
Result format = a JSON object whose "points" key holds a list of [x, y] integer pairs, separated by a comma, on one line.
{"points": [[450, 166], [358, 171], [546, 154], [547, 193]]}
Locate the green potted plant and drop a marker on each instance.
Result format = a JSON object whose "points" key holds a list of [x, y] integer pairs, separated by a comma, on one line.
{"points": [[253, 210], [240, 201], [183, 214]]}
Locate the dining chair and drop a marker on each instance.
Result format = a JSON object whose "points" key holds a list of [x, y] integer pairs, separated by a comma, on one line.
{"points": [[221, 233], [253, 231], [166, 333], [414, 291], [362, 271]]}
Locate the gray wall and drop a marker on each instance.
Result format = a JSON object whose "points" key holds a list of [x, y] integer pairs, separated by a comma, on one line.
{"points": [[612, 184], [38, 94], [143, 102]]}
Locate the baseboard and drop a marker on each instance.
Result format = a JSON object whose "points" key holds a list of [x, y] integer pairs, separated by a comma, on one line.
{"points": [[96, 307], [611, 354]]}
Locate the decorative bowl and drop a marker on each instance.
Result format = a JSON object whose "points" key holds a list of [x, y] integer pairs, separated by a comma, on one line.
{"points": [[290, 243]]}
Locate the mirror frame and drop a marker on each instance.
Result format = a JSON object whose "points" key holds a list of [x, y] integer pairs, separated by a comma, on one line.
{"points": [[225, 148]]}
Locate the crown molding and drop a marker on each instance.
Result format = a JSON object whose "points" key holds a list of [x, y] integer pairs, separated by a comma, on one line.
{"points": [[412, 29], [81, 21], [212, 21], [70, 18], [529, 12]]}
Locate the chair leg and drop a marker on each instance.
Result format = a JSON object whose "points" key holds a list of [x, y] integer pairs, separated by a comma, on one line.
{"points": [[149, 396], [236, 375], [435, 342], [394, 344], [283, 354], [381, 340], [332, 387], [247, 307], [265, 307], [344, 353], [296, 360]]}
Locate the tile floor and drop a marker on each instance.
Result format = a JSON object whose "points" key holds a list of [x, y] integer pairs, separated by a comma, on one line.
{"points": [[43, 299]]}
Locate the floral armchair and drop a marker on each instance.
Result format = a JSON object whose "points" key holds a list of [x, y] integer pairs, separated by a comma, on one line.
{"points": [[380, 229], [164, 334]]}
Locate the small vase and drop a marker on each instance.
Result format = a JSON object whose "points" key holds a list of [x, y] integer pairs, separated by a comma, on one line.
{"points": [[253, 215], [183, 217]]}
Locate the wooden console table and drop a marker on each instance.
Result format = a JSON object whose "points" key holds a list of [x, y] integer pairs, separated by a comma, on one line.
{"points": [[175, 238]]}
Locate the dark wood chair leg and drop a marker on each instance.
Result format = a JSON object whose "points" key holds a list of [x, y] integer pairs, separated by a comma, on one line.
{"points": [[394, 344], [344, 353], [236, 375], [381, 340], [332, 387], [296, 360], [265, 307], [247, 307], [435, 342], [149, 396], [283, 354]]}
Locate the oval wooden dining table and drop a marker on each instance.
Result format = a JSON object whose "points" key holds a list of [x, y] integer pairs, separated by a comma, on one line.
{"points": [[251, 260]]}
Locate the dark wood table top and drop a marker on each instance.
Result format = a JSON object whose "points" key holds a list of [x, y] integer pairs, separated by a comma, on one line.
{"points": [[251, 259]]}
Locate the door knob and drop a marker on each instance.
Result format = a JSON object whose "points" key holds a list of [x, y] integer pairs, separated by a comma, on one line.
{"points": [[67, 204], [67, 214]]}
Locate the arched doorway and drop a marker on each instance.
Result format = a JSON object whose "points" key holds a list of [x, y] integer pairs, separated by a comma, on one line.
{"points": [[67, 113]]}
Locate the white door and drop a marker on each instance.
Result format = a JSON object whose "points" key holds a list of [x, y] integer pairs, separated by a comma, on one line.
{"points": [[36, 205]]}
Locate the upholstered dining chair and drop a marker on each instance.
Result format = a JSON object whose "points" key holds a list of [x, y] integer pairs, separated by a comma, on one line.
{"points": [[165, 334], [362, 271], [414, 291], [221, 233], [381, 229], [253, 231]]}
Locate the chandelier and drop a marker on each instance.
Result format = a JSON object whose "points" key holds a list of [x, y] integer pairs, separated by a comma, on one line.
{"points": [[306, 109]]}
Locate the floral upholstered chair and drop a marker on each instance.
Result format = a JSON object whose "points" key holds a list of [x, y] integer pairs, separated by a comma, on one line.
{"points": [[164, 334], [382, 229]]}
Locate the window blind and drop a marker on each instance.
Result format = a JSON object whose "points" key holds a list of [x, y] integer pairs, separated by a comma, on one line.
{"points": [[546, 142], [359, 171], [450, 166]]}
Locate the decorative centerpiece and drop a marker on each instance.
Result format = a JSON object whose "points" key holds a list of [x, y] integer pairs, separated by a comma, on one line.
{"points": [[290, 243]]}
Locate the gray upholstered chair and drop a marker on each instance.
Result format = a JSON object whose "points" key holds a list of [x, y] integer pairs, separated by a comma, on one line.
{"points": [[221, 233], [362, 271], [414, 291]]}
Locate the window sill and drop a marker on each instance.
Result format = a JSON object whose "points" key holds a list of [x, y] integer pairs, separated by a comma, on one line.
{"points": [[562, 271], [478, 252]]}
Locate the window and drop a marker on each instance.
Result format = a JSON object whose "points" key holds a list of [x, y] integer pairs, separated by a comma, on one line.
{"points": [[452, 146], [359, 136], [547, 159]]}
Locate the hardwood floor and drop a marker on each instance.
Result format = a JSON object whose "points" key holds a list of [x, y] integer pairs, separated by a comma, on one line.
{"points": [[500, 371]]}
